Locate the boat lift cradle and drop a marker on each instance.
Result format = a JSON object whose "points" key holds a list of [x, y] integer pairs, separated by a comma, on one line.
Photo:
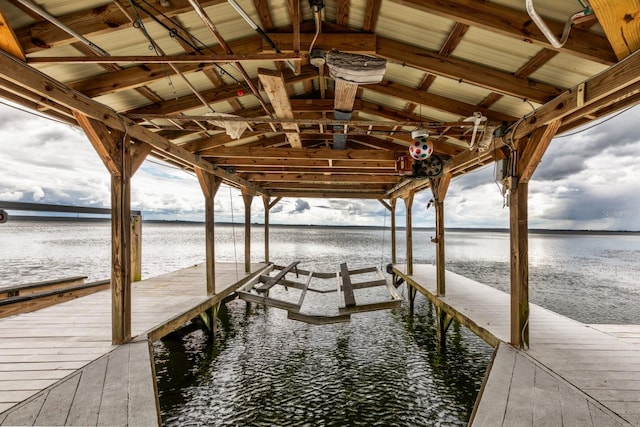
{"points": [[257, 291]]}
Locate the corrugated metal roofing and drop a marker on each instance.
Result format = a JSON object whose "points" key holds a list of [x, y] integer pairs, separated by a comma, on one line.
{"points": [[398, 20]]}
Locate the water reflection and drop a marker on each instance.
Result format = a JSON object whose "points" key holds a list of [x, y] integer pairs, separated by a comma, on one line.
{"points": [[382, 368]]}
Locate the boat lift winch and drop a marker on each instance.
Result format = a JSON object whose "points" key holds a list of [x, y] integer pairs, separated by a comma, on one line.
{"points": [[258, 290]]}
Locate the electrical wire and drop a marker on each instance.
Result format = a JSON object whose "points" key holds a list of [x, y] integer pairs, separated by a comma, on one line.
{"points": [[24, 110], [174, 33], [595, 124]]}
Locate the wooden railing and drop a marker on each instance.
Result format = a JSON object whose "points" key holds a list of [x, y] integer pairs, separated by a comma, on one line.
{"points": [[34, 296]]}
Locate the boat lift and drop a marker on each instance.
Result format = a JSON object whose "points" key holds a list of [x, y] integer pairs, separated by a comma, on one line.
{"points": [[257, 291]]}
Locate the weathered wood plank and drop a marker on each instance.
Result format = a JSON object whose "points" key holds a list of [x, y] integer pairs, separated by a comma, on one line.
{"points": [[546, 400], [493, 403], [86, 406], [587, 363], [56, 406], [347, 288], [143, 405], [27, 376], [44, 285], [575, 409], [25, 414], [275, 280], [602, 418], [32, 384], [37, 349], [114, 405]]}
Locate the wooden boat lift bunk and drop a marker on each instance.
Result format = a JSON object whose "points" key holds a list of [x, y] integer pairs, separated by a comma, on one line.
{"points": [[258, 290]]}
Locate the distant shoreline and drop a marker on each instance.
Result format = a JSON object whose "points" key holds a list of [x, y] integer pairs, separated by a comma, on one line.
{"points": [[343, 227]]}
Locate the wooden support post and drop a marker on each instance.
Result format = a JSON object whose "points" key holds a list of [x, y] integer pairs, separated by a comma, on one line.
{"points": [[265, 202], [247, 198], [408, 203], [121, 255], [439, 187], [209, 184], [114, 148], [209, 318], [411, 291], [528, 153], [391, 207], [268, 204], [136, 248], [394, 257], [519, 266], [444, 321]]}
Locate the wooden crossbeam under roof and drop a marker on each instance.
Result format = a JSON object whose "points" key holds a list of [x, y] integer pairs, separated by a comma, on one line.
{"points": [[260, 162]]}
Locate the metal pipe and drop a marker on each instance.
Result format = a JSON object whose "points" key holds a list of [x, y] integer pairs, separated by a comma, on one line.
{"points": [[546, 31], [62, 26], [259, 30], [161, 52], [214, 31]]}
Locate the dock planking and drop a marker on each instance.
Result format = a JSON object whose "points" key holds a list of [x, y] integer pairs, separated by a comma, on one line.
{"points": [[57, 364], [572, 375], [347, 287]]}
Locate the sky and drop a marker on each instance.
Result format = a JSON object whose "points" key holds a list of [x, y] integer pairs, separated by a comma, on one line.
{"points": [[587, 180]]}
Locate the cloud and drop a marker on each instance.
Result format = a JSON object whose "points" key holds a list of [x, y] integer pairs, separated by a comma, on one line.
{"points": [[38, 194], [585, 181], [300, 206]]}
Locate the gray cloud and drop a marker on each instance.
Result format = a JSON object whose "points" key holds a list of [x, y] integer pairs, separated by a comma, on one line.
{"points": [[567, 156], [300, 206]]}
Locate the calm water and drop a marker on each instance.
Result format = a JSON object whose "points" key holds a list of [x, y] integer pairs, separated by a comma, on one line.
{"points": [[382, 368]]}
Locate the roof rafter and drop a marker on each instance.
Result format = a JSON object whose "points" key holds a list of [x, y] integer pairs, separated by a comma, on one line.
{"points": [[494, 80], [90, 22], [438, 102], [510, 22], [33, 81]]}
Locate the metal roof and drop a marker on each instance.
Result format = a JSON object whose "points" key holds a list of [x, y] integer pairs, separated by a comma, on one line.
{"points": [[445, 61]]}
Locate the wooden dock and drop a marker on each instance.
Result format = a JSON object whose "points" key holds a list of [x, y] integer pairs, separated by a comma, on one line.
{"points": [[572, 375], [58, 366]]}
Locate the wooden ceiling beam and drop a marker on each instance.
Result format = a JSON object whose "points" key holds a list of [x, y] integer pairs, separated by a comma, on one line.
{"points": [[342, 13], [91, 22], [224, 93], [317, 105], [35, 82], [327, 194], [453, 40], [438, 102], [312, 164], [141, 75], [623, 98], [496, 18], [371, 12], [264, 14], [306, 153], [303, 178], [299, 169], [344, 42], [281, 186], [617, 79], [457, 69], [8, 40], [274, 85], [155, 59], [620, 21]]}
